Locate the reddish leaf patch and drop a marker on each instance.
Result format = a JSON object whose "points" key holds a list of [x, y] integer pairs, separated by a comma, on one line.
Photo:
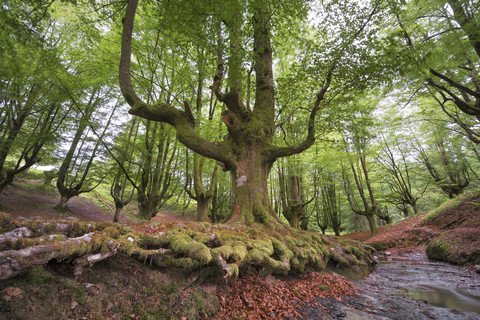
{"points": [[252, 297]]}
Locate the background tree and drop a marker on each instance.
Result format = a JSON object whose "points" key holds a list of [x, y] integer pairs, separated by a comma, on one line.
{"points": [[400, 182], [122, 167], [77, 163], [32, 107], [356, 164], [293, 197], [200, 194], [331, 202], [446, 163], [427, 30]]}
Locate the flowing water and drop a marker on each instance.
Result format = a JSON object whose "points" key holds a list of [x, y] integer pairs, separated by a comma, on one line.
{"points": [[408, 286]]}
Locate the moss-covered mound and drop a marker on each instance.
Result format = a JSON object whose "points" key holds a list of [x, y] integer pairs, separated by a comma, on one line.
{"points": [[449, 233], [458, 224], [218, 249]]}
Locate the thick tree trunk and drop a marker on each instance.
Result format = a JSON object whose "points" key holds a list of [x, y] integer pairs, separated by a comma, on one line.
{"points": [[147, 207], [62, 204], [294, 218], [250, 191]]}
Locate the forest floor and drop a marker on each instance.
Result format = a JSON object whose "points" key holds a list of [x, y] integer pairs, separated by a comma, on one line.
{"points": [[28, 198], [122, 288]]}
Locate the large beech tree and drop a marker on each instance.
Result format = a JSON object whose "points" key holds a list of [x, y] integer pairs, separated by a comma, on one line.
{"points": [[247, 151]]}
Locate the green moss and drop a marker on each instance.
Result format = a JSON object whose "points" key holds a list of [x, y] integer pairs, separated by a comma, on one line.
{"points": [[127, 246], [113, 230], [278, 248], [152, 240], [256, 256], [239, 253], [224, 251], [80, 228], [438, 250], [185, 263], [191, 233], [202, 239], [264, 245], [233, 270], [183, 244], [6, 222], [342, 261], [280, 251], [276, 266]]}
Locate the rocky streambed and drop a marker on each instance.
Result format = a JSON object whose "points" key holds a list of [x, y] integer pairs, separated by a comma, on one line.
{"points": [[406, 285]]}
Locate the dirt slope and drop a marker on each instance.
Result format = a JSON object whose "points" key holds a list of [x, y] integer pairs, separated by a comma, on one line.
{"points": [[27, 198], [450, 233]]}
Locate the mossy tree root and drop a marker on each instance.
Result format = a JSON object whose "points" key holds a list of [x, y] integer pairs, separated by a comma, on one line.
{"points": [[194, 246]]}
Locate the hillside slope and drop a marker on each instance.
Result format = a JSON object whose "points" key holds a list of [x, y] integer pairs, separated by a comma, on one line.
{"points": [[450, 233]]}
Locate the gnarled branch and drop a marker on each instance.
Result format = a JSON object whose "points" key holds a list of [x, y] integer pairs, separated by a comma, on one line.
{"points": [[279, 152], [162, 112]]}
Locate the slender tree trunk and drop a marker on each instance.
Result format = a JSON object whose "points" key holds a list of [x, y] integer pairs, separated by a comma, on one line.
{"points": [[202, 209], [371, 221], [6, 178], [118, 210], [355, 222], [415, 207]]}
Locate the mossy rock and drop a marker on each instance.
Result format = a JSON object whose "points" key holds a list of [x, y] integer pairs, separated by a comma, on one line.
{"points": [[437, 250]]}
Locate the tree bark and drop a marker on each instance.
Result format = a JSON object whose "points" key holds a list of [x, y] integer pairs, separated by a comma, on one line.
{"points": [[202, 209]]}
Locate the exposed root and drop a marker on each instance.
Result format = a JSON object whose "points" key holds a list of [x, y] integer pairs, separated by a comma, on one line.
{"points": [[90, 259], [13, 262], [193, 246], [16, 234]]}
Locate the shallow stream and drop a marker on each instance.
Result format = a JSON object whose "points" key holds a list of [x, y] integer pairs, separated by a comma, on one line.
{"points": [[407, 285]]}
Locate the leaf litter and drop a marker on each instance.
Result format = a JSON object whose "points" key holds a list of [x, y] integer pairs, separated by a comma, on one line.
{"points": [[254, 297]]}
